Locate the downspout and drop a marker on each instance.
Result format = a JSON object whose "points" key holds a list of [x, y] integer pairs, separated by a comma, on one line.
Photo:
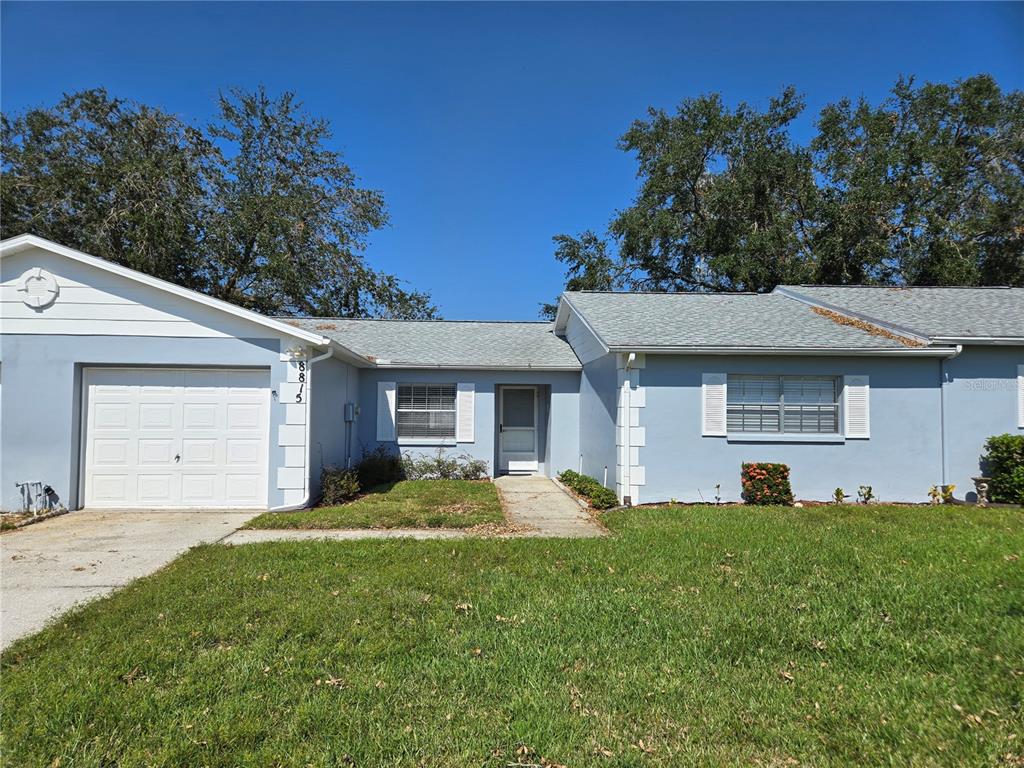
{"points": [[626, 497], [942, 407], [309, 419]]}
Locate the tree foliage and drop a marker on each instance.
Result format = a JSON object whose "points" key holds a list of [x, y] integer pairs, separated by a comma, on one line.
{"points": [[254, 208], [925, 188]]}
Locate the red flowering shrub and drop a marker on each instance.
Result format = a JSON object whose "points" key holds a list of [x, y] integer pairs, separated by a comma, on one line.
{"points": [[766, 483]]}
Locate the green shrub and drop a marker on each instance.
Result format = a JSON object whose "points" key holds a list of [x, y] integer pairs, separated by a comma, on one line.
{"points": [[1015, 486], [337, 485], [1003, 462], [379, 467], [443, 467], [766, 483], [598, 496]]}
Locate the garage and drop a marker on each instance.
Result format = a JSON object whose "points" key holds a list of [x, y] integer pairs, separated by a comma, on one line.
{"points": [[124, 391], [175, 437]]}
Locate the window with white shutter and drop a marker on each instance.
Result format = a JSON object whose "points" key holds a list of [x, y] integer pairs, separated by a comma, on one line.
{"points": [[464, 413], [856, 406], [783, 404], [713, 386], [385, 411], [1020, 396]]}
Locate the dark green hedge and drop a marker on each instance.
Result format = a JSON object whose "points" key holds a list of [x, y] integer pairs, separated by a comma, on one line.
{"points": [[1003, 462], [598, 496]]}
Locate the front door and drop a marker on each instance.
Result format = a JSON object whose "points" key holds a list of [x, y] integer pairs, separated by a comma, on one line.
{"points": [[517, 429]]}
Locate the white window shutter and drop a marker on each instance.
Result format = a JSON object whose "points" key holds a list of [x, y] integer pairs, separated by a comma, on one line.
{"points": [[1020, 396], [464, 430], [386, 411], [857, 406], [713, 404]]}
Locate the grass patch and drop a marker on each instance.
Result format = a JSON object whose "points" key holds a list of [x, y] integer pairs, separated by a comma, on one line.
{"points": [[831, 636], [406, 504]]}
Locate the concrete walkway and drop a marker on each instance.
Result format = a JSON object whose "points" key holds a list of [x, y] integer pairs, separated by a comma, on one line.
{"points": [[347, 534], [539, 503], [47, 568]]}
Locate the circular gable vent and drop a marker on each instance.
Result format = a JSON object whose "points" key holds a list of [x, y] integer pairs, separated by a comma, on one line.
{"points": [[38, 288]]}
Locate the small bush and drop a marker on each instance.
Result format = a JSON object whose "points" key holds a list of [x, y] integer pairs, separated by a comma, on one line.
{"points": [[337, 485], [443, 467], [379, 467], [766, 483], [1003, 462], [598, 496]]}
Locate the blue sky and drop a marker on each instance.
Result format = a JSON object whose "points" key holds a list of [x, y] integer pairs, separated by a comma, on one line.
{"points": [[492, 127]]}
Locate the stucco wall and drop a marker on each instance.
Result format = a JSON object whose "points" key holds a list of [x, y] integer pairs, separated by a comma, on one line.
{"points": [[981, 400], [901, 460], [597, 418], [41, 399], [332, 442], [559, 418]]}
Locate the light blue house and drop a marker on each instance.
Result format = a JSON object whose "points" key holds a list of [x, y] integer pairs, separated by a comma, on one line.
{"points": [[120, 390]]}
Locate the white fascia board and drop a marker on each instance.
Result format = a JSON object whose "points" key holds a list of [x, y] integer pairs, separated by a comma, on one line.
{"points": [[348, 356], [1007, 340], [439, 367], [564, 299], [561, 314], [23, 242], [900, 330], [804, 351]]}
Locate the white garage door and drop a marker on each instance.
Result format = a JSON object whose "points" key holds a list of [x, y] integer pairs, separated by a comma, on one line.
{"points": [[176, 437]]}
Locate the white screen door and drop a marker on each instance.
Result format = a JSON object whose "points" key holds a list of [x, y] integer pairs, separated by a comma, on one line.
{"points": [[517, 429]]}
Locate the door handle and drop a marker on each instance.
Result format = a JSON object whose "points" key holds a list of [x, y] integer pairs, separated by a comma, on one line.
{"points": [[177, 458]]}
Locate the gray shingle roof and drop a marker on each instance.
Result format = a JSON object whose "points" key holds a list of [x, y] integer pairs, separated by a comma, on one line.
{"points": [[448, 343], [716, 320], [950, 312]]}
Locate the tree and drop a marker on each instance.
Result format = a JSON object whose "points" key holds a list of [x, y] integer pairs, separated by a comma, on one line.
{"points": [[122, 181], [254, 208], [925, 188], [590, 266]]}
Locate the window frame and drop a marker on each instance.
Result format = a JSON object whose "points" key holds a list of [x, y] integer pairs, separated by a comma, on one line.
{"points": [[427, 439], [779, 407]]}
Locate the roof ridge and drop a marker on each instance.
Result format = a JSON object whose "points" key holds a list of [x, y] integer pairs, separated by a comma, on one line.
{"points": [[674, 293], [900, 287], [413, 320]]}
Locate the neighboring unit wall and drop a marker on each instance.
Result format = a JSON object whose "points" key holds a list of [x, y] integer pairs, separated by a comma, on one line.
{"points": [[597, 419], [333, 441], [901, 459], [981, 400], [558, 419]]}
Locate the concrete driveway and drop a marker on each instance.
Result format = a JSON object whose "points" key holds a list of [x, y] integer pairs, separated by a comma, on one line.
{"points": [[47, 568]]}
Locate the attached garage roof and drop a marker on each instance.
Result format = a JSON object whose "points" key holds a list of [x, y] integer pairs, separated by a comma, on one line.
{"points": [[448, 343], [23, 242]]}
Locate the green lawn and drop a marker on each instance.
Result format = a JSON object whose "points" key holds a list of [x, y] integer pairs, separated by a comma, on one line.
{"points": [[406, 504], [694, 636]]}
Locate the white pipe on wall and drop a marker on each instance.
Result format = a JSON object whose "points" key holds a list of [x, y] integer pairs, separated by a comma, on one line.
{"points": [[942, 409]]}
